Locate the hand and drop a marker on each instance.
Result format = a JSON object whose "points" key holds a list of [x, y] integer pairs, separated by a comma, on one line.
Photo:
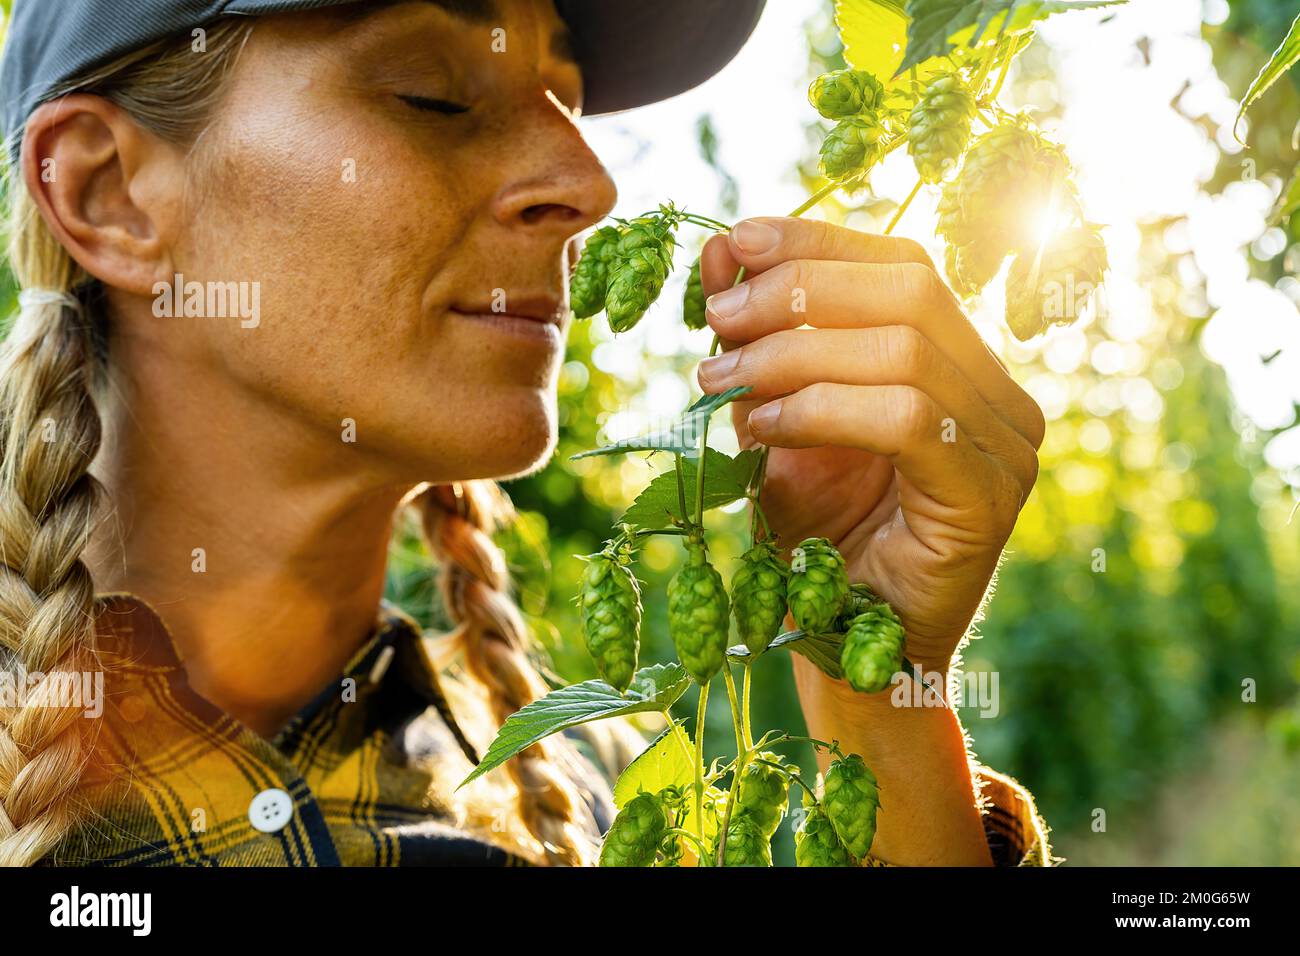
{"points": [[894, 430]]}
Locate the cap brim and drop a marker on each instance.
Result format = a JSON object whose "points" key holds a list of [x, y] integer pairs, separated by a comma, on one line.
{"points": [[634, 53]]}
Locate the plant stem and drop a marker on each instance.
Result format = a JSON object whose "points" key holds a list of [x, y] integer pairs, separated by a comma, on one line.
{"points": [[741, 754], [681, 489], [643, 532], [744, 706], [1002, 76], [700, 711], [701, 850], [903, 208]]}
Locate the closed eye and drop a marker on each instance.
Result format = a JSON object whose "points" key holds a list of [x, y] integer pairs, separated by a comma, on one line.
{"points": [[430, 105]]}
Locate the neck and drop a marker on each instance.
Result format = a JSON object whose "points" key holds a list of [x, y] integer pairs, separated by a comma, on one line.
{"points": [[261, 543]]}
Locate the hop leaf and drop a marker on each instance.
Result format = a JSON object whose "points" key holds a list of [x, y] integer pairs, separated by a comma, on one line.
{"points": [[636, 832], [697, 614], [693, 300], [940, 126], [843, 93], [610, 600], [819, 585], [873, 649], [817, 844], [758, 590], [591, 276], [851, 799], [852, 147], [1052, 288]]}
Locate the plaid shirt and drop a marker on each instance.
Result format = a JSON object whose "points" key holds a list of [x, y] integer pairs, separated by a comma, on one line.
{"points": [[176, 781]]}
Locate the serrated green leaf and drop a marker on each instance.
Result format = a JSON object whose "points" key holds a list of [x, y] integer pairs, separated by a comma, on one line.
{"points": [[938, 25], [653, 688], [822, 649], [874, 35], [726, 479], [682, 435], [1288, 204], [1283, 58], [667, 762]]}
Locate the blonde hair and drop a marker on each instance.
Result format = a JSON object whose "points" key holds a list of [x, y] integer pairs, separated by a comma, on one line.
{"points": [[50, 364]]}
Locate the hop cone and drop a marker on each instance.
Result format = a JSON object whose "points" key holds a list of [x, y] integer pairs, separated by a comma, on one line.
{"points": [[640, 264], [817, 844], [994, 206], [851, 800], [693, 300], [697, 614], [591, 276], [852, 147], [758, 596], [1053, 288], [746, 844], [940, 126], [635, 834], [843, 93], [873, 650], [610, 600], [819, 586], [763, 794]]}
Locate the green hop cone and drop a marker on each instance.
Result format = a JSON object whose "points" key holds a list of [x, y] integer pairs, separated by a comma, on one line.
{"points": [[851, 799], [610, 604], [843, 93], [763, 793], [758, 596], [637, 830], [940, 126], [873, 650], [638, 268], [817, 844], [818, 586], [1053, 287], [1010, 179], [591, 276], [852, 147], [746, 844], [697, 614], [693, 300]]}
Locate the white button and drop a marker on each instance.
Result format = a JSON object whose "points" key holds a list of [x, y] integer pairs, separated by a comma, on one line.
{"points": [[270, 810]]}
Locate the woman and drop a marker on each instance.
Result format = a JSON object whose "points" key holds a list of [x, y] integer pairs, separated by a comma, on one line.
{"points": [[199, 500]]}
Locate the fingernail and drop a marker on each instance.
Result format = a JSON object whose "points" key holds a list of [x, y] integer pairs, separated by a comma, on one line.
{"points": [[765, 416], [726, 304], [755, 238], [720, 366]]}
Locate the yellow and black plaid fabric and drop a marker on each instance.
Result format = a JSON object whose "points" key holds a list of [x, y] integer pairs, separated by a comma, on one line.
{"points": [[348, 782]]}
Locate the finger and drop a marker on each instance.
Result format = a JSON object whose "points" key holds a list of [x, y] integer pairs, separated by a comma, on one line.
{"points": [[833, 294], [762, 243], [906, 426], [787, 361]]}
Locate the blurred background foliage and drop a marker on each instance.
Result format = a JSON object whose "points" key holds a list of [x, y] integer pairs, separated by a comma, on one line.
{"points": [[1121, 690]]}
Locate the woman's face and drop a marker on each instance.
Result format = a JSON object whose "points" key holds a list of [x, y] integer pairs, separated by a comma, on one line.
{"points": [[401, 183]]}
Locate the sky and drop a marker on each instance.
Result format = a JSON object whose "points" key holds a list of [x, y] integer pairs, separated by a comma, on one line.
{"points": [[1139, 162]]}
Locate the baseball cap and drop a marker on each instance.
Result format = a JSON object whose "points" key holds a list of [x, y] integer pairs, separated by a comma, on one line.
{"points": [[631, 52]]}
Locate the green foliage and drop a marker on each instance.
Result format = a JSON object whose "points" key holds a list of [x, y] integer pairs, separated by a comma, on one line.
{"points": [[654, 688], [636, 832], [682, 435], [726, 479], [1283, 58]]}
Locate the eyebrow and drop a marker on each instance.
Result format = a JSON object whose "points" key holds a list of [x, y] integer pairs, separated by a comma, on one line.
{"points": [[475, 11]]}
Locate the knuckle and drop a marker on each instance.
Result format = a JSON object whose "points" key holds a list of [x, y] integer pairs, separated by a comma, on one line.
{"points": [[915, 415], [909, 250], [817, 401], [909, 353]]}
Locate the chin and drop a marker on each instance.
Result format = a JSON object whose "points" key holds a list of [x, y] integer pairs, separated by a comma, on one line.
{"points": [[517, 440]]}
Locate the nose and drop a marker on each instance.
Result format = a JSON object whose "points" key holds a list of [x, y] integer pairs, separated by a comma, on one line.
{"points": [[558, 186]]}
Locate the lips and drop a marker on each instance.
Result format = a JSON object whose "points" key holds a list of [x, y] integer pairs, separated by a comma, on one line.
{"points": [[547, 310]]}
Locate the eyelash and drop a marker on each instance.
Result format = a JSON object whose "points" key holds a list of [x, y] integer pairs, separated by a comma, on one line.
{"points": [[430, 105]]}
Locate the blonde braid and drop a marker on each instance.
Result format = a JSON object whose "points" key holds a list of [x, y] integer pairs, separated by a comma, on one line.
{"points": [[49, 434], [458, 520]]}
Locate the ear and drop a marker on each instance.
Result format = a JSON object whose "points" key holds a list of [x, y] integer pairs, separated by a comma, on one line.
{"points": [[108, 189]]}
